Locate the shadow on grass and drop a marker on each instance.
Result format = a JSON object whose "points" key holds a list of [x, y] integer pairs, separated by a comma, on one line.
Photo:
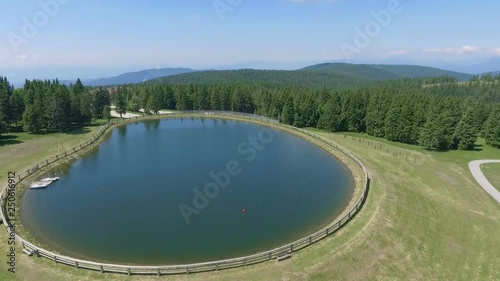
{"points": [[477, 148], [12, 139], [9, 140], [79, 131]]}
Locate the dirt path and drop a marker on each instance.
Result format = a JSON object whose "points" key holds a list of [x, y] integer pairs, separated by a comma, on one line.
{"points": [[132, 115], [475, 168]]}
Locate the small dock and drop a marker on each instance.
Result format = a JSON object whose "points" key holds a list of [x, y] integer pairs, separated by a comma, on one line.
{"points": [[44, 183]]}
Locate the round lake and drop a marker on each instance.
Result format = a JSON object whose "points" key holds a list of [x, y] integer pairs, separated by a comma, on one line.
{"points": [[179, 191]]}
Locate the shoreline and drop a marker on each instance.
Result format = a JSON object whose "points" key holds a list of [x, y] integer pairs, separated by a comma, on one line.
{"points": [[354, 170]]}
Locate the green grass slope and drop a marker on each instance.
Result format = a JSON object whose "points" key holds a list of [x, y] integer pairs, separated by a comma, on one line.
{"points": [[492, 173], [425, 219]]}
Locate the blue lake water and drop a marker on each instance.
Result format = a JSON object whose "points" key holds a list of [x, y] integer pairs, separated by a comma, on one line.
{"points": [[131, 200]]}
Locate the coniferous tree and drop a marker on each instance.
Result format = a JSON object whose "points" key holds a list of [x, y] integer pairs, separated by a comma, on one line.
{"points": [[492, 128], [4, 104], [465, 134], [353, 111], [121, 102], [16, 107], [76, 95], [33, 116], [288, 113], [331, 114], [86, 107], [169, 101], [106, 112], [59, 108], [134, 103], [376, 115], [100, 100]]}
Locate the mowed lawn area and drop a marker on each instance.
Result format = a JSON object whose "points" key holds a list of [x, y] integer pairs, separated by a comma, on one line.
{"points": [[426, 218], [492, 173]]}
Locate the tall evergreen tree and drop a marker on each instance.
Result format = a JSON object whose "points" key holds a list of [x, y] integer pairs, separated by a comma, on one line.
{"points": [[4, 104], [59, 105], [100, 100], [121, 101], [492, 128], [288, 113], [17, 107], [331, 114], [465, 134]]}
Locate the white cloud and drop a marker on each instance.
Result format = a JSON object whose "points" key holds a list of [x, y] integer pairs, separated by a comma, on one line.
{"points": [[34, 56], [399, 52], [462, 50], [23, 57], [469, 49], [447, 50], [496, 51]]}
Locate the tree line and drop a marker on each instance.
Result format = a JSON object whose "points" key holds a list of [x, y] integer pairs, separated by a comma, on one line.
{"points": [[443, 116], [49, 106]]}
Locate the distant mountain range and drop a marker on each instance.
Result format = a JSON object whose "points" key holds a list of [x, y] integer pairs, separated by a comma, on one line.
{"points": [[328, 73], [132, 77], [491, 65], [381, 69]]}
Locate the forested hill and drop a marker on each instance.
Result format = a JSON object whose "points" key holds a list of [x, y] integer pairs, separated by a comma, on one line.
{"points": [[385, 72], [307, 79], [332, 75]]}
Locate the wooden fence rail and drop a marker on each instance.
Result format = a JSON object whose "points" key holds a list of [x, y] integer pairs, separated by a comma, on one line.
{"points": [[191, 268]]}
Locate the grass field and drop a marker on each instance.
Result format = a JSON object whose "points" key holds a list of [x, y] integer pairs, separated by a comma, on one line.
{"points": [[492, 173], [425, 219]]}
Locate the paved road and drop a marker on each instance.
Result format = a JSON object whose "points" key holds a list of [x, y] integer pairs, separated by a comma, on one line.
{"points": [[475, 169]]}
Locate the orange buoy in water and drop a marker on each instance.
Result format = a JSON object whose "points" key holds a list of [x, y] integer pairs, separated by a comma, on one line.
{"points": [[244, 210]]}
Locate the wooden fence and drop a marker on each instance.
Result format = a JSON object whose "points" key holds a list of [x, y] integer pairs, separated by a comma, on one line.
{"points": [[190, 268]]}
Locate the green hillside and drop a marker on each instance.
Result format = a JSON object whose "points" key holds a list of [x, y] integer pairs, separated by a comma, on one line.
{"points": [[385, 72], [271, 77], [415, 71], [330, 75], [355, 70]]}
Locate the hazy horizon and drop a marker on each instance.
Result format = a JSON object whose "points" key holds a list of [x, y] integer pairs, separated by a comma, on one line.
{"points": [[113, 37]]}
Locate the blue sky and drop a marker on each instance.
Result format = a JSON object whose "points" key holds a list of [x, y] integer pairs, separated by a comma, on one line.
{"points": [[126, 34]]}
